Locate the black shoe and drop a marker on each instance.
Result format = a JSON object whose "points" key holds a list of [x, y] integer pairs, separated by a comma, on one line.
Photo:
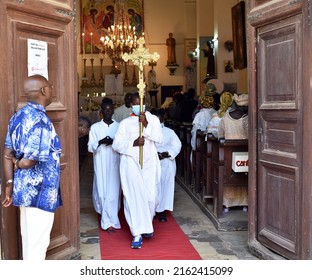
{"points": [[162, 217]]}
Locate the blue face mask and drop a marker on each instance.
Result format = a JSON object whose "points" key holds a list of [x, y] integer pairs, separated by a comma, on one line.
{"points": [[136, 109]]}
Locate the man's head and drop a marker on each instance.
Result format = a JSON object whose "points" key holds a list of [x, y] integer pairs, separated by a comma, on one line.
{"points": [[84, 125], [135, 99], [127, 99], [107, 108], [38, 90]]}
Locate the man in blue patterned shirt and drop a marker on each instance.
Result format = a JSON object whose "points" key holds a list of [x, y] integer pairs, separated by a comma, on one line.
{"points": [[32, 168]]}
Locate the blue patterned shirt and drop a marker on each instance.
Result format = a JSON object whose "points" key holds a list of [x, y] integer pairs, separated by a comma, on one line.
{"points": [[31, 135]]}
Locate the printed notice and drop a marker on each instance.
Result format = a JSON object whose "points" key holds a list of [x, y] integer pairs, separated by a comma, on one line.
{"points": [[37, 58]]}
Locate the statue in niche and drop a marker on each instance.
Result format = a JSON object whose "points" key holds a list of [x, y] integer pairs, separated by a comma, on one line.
{"points": [[208, 53], [170, 42], [151, 79]]}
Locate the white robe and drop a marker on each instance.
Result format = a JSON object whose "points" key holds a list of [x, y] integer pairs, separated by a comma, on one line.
{"points": [[139, 185], [171, 144], [106, 180], [200, 122]]}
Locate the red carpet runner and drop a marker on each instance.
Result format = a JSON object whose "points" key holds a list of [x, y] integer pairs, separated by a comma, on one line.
{"points": [[168, 243]]}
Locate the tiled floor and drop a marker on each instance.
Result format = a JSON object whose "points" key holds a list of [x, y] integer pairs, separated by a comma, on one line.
{"points": [[210, 243]]}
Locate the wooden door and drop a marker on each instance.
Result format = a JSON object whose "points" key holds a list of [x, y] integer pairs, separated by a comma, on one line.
{"points": [[280, 95], [54, 23]]}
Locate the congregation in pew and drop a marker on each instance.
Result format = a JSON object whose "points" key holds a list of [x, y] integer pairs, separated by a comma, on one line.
{"points": [[205, 163]]}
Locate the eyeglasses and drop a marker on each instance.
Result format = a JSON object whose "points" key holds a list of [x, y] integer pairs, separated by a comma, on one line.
{"points": [[40, 89]]}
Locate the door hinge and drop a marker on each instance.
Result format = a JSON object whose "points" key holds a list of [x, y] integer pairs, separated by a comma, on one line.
{"points": [[308, 13], [260, 134]]}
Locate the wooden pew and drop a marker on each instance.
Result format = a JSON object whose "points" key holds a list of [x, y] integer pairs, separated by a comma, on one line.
{"points": [[223, 175], [211, 145], [187, 153], [180, 158], [198, 159]]}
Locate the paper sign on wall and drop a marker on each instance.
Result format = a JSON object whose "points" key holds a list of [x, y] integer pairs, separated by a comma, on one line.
{"points": [[37, 52]]}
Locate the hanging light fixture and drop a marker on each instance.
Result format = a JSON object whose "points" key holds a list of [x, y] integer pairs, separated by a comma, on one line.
{"points": [[121, 37]]}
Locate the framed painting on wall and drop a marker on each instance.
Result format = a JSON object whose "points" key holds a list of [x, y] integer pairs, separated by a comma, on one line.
{"points": [[239, 35], [98, 16], [228, 66]]}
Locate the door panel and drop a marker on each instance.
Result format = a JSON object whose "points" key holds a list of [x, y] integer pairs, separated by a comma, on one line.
{"points": [[277, 221], [280, 139], [52, 22]]}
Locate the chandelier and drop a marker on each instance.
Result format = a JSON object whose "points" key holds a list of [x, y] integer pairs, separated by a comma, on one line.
{"points": [[121, 37]]}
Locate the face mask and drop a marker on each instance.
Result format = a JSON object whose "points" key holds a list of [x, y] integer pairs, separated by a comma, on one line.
{"points": [[136, 109]]}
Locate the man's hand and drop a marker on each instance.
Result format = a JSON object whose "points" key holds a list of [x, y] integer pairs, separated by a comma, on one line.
{"points": [[139, 141], [163, 155], [142, 118], [106, 141], [8, 196]]}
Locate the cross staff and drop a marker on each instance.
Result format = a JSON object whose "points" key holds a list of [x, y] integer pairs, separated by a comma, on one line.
{"points": [[141, 57]]}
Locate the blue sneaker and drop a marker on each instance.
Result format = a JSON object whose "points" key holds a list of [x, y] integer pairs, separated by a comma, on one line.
{"points": [[136, 244], [148, 235]]}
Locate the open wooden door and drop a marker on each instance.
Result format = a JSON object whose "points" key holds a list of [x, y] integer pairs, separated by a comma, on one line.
{"points": [[280, 94], [54, 23]]}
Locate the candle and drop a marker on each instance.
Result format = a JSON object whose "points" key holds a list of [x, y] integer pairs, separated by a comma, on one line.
{"points": [[83, 46], [91, 34]]}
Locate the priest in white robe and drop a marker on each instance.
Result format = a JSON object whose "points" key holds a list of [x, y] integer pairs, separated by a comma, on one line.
{"points": [[167, 150], [106, 181], [139, 184]]}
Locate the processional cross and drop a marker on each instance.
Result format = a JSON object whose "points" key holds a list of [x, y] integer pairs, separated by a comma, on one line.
{"points": [[141, 57]]}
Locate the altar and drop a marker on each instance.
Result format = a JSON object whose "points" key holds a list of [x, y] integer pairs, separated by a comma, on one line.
{"points": [[90, 97]]}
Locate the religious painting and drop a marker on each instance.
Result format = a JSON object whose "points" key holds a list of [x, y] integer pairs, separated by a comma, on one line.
{"points": [[239, 35], [228, 66], [97, 16]]}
